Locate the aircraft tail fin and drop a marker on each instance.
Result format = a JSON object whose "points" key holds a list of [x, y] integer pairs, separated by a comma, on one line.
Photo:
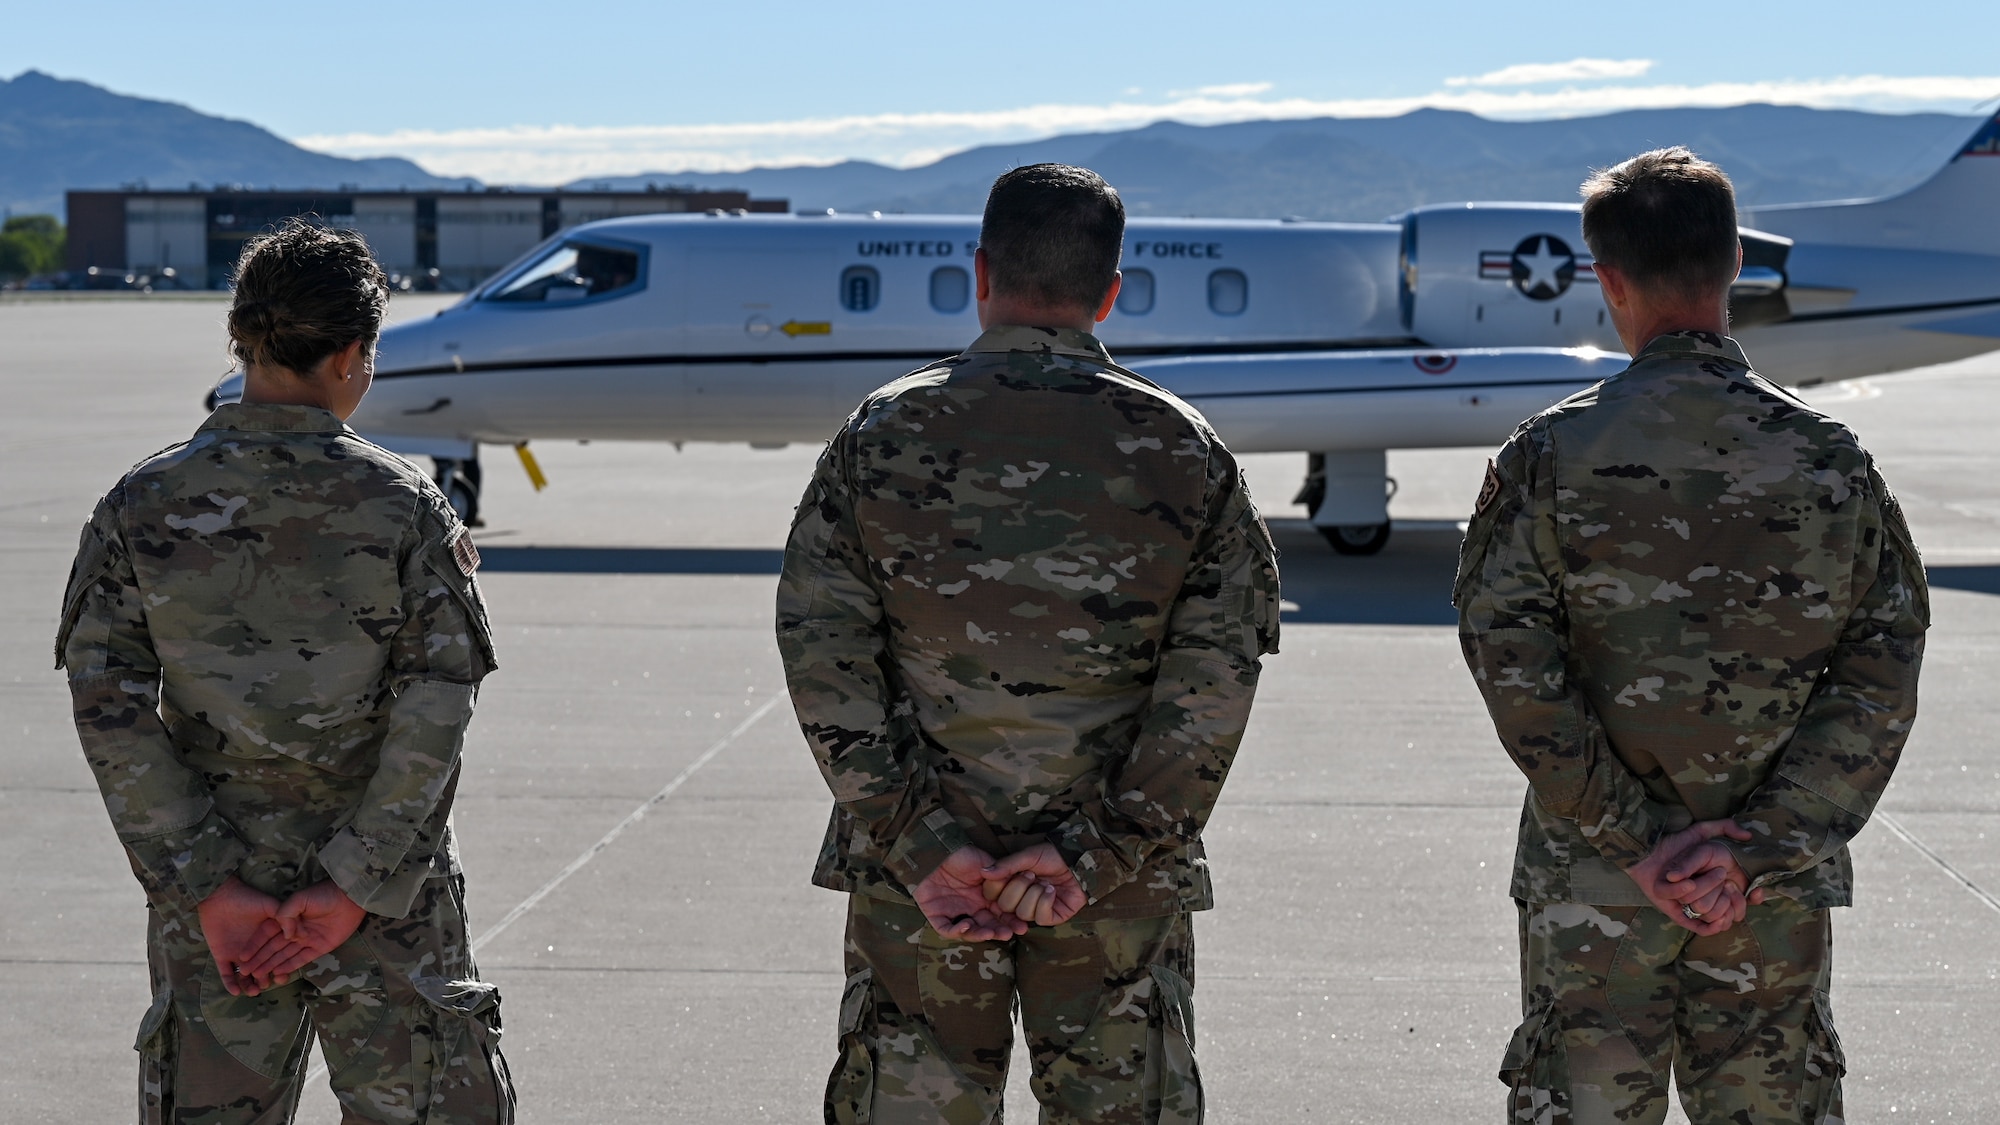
{"points": [[1984, 142], [1957, 209]]}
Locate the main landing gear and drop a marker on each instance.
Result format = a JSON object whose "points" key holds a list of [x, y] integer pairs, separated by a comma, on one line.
{"points": [[459, 478], [1348, 494]]}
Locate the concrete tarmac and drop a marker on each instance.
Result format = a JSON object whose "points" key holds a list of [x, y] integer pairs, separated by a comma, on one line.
{"points": [[1360, 965]]}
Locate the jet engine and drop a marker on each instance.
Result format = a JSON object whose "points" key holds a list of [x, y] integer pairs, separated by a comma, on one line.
{"points": [[1519, 275]]}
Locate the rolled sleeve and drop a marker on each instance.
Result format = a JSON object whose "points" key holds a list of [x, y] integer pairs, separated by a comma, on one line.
{"points": [[438, 656], [1512, 631], [833, 640], [1828, 777], [180, 847], [1161, 793]]}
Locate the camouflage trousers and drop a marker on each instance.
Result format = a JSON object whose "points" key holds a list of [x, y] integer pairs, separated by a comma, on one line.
{"points": [[1617, 998], [927, 1023], [409, 1032]]}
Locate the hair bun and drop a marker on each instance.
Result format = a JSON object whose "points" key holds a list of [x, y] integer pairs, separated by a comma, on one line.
{"points": [[255, 319], [302, 293]]}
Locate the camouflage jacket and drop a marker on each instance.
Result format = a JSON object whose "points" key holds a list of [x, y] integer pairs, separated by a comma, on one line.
{"points": [[1025, 598], [1687, 595], [273, 638]]}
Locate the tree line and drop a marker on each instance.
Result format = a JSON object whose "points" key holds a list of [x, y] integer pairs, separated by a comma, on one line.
{"points": [[30, 245]]}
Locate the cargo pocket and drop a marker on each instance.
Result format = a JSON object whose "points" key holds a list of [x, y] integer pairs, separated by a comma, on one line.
{"points": [[1536, 1070], [465, 1035], [850, 1089], [156, 1043], [1826, 1063], [1173, 1087]]}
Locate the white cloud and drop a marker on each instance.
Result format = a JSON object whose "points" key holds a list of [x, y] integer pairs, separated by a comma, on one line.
{"points": [[1230, 90], [1575, 70], [557, 153]]}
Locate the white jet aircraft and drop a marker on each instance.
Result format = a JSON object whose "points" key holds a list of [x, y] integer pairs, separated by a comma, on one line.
{"points": [[1442, 327]]}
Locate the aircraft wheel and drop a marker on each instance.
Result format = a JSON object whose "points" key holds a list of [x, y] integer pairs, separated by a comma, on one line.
{"points": [[460, 482], [464, 500], [1357, 539]]}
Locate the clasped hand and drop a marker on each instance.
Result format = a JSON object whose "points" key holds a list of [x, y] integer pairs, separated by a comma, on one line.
{"points": [[259, 942], [1695, 880], [973, 897]]}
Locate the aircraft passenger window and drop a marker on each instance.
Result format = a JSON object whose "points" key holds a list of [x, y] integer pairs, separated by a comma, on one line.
{"points": [[1135, 296], [951, 288], [571, 271], [1228, 292], [860, 288]]}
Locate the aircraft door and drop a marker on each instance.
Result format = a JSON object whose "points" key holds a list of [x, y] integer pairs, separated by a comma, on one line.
{"points": [[760, 322]]}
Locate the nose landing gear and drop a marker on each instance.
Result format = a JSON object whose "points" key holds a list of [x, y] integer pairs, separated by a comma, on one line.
{"points": [[1357, 539], [1348, 494], [460, 481]]}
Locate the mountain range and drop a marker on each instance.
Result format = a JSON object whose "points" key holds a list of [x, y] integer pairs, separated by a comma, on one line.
{"points": [[1363, 169], [57, 134]]}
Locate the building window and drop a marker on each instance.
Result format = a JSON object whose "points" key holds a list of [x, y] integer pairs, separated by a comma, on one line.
{"points": [[951, 288], [1135, 295], [571, 271], [860, 288], [1228, 292]]}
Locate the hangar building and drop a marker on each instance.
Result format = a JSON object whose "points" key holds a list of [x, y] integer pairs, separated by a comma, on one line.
{"points": [[448, 240]]}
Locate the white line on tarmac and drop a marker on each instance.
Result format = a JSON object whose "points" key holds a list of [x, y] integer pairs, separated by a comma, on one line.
{"points": [[617, 830], [1978, 892], [632, 818]]}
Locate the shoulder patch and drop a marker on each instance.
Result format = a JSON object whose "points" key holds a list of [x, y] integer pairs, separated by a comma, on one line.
{"points": [[1488, 491], [464, 553]]}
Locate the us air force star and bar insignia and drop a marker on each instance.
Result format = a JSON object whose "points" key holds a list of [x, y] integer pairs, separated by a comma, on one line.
{"points": [[1541, 266], [464, 553]]}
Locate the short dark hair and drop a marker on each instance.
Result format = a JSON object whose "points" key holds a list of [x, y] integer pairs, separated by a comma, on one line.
{"points": [[1053, 233], [304, 292], [1666, 219]]}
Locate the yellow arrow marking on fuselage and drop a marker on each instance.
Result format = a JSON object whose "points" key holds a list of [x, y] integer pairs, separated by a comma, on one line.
{"points": [[797, 328]]}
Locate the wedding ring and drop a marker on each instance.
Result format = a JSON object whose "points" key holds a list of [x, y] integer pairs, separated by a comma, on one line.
{"points": [[1690, 913]]}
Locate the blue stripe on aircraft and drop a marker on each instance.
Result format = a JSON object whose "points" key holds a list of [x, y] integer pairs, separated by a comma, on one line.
{"points": [[920, 357]]}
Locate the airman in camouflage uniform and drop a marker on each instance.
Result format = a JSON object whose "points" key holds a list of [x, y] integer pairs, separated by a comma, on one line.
{"points": [[1687, 596], [1024, 601], [274, 638], [1694, 610]]}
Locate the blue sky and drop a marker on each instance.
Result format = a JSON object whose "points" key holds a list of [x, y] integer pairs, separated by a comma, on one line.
{"points": [[548, 91]]}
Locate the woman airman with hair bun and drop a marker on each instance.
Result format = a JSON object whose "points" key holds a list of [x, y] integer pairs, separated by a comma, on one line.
{"points": [[274, 638]]}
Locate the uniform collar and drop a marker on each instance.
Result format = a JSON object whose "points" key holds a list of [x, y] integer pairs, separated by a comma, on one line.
{"points": [[269, 417], [1686, 344], [1056, 341]]}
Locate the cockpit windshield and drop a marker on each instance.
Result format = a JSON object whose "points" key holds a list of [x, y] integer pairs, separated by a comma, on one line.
{"points": [[572, 271]]}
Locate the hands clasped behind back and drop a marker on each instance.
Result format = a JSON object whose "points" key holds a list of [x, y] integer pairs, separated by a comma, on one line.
{"points": [[1695, 880], [973, 897], [259, 942], [1691, 876]]}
